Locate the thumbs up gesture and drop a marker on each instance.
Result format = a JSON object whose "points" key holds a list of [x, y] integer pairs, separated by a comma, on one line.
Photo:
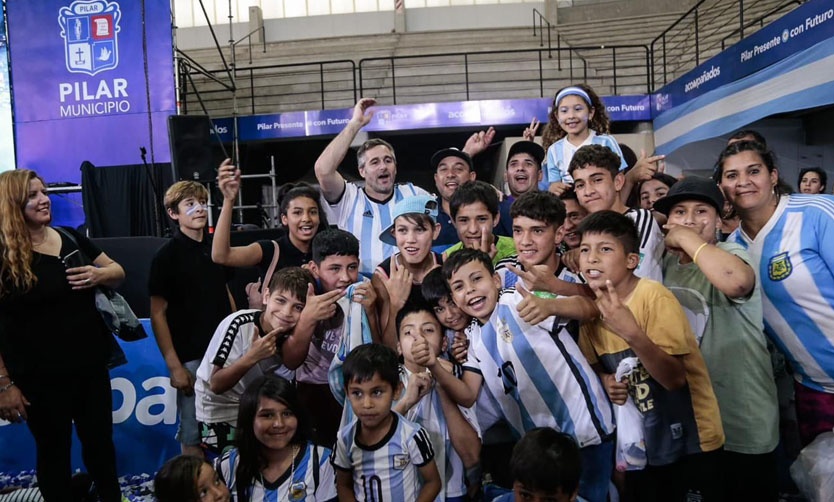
{"points": [[422, 352], [531, 308]]}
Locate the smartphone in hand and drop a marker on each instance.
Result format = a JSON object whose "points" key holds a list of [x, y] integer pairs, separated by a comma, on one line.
{"points": [[73, 260]]}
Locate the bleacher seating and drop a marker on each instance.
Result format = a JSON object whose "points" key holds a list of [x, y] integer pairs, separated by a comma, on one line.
{"points": [[291, 75]]}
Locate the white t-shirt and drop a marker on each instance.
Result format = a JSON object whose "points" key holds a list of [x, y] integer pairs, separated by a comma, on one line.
{"points": [[229, 343]]}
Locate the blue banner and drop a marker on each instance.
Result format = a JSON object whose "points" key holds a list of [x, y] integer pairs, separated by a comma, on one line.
{"points": [[90, 83], [798, 30], [420, 116], [144, 417]]}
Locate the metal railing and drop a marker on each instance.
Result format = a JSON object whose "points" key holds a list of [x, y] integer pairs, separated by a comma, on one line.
{"points": [[260, 87], [480, 75], [684, 45], [457, 74], [248, 38], [739, 32], [538, 16]]}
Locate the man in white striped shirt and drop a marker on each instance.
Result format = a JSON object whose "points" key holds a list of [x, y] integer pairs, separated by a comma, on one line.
{"points": [[365, 212]]}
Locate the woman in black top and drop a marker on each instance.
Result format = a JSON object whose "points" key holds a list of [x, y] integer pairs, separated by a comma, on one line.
{"points": [[301, 214], [54, 346]]}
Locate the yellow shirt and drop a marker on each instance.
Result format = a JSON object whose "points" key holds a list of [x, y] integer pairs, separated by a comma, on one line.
{"points": [[676, 423]]}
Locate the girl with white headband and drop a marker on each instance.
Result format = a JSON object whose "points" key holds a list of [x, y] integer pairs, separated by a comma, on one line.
{"points": [[578, 118]]}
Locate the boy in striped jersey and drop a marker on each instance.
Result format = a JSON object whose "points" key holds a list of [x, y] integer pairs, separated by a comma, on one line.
{"points": [[598, 184], [379, 454], [245, 346], [453, 430], [537, 234], [533, 375]]}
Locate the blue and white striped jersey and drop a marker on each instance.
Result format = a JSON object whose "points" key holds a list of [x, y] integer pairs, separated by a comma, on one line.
{"points": [[428, 413], [652, 244], [311, 478], [793, 255], [560, 154], [538, 376], [387, 471], [366, 219], [509, 279]]}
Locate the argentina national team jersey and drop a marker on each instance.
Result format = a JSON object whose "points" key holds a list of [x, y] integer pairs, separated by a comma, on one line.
{"points": [[561, 153], [366, 219], [388, 470], [509, 279], [311, 479], [538, 376], [428, 413], [651, 244], [793, 256]]}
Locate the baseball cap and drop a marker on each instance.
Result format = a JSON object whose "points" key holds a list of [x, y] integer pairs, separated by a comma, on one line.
{"points": [[529, 147], [450, 152], [418, 204], [691, 188]]}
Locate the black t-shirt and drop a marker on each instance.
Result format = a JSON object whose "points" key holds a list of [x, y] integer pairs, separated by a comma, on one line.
{"points": [[195, 288], [288, 255], [52, 328]]}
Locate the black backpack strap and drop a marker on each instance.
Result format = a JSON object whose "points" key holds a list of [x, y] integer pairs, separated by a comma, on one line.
{"points": [[315, 468]]}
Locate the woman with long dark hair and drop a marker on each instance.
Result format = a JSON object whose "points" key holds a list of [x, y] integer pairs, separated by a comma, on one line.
{"points": [[274, 458], [54, 346], [789, 238]]}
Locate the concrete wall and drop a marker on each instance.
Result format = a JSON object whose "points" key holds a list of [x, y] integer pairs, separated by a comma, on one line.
{"points": [[340, 25], [614, 9]]}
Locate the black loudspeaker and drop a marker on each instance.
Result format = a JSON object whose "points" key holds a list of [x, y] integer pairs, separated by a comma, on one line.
{"points": [[191, 149]]}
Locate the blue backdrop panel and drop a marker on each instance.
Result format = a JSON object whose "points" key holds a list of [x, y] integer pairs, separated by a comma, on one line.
{"points": [[80, 90], [144, 417]]}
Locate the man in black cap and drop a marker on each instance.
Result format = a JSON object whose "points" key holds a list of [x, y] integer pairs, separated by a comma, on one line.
{"points": [[452, 168], [524, 167]]}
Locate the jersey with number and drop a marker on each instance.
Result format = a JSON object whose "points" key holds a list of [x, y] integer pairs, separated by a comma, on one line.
{"points": [[509, 278], [537, 376], [428, 413], [366, 218], [651, 244], [310, 479], [560, 154], [793, 256], [387, 471]]}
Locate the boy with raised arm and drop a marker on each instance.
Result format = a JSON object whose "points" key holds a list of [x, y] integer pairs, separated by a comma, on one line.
{"points": [[598, 183], [670, 386]]}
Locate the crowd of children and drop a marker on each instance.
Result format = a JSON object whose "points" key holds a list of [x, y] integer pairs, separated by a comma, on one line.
{"points": [[553, 343], [487, 365]]}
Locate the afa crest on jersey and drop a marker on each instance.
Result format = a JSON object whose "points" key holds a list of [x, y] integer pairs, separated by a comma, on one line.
{"points": [[779, 267], [90, 31]]}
